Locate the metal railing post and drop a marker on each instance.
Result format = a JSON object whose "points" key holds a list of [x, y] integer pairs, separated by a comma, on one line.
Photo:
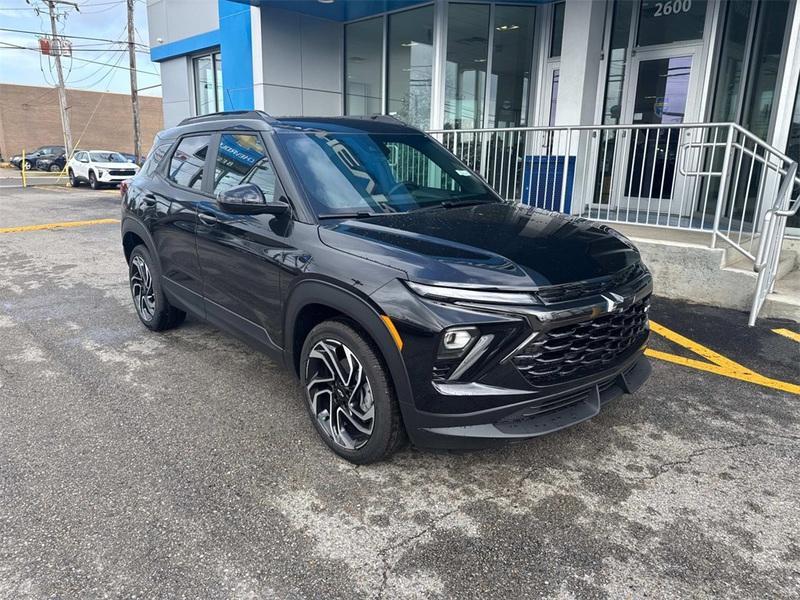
{"points": [[723, 185]]}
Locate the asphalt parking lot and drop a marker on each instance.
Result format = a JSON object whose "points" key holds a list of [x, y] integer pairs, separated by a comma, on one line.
{"points": [[183, 465]]}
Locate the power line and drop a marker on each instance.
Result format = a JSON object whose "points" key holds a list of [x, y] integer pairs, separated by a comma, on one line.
{"points": [[74, 37], [85, 60]]}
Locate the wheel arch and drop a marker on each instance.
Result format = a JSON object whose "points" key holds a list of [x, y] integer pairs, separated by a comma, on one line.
{"points": [[314, 301], [133, 234]]}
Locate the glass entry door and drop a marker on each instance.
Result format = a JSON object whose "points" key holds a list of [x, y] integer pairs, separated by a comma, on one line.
{"points": [[663, 92]]}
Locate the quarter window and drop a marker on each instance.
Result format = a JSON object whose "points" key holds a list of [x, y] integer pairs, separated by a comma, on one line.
{"points": [[153, 160], [188, 160], [242, 158]]}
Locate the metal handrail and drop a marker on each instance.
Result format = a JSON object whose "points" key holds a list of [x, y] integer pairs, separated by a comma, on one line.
{"points": [[714, 178], [769, 250]]}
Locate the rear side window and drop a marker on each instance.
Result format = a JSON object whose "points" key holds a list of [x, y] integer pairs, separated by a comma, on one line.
{"points": [[242, 158], [188, 160]]}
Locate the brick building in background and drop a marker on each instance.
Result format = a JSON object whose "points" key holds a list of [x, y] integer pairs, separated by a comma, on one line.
{"points": [[29, 118]]}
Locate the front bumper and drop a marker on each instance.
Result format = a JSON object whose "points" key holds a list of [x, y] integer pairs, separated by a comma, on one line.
{"points": [[106, 177], [528, 417], [503, 397]]}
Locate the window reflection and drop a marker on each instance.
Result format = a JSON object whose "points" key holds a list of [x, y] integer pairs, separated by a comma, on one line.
{"points": [[410, 68], [512, 56], [363, 56], [242, 158], [465, 71]]}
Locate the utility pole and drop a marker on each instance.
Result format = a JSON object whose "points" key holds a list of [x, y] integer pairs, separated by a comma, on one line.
{"points": [[62, 92], [137, 136]]}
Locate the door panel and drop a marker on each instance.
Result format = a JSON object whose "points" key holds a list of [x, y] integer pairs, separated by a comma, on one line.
{"points": [[240, 255], [171, 209]]}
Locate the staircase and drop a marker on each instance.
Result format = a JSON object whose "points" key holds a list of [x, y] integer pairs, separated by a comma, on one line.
{"points": [[685, 267]]}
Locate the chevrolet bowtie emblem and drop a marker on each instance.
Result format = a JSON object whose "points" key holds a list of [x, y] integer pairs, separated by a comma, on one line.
{"points": [[612, 301]]}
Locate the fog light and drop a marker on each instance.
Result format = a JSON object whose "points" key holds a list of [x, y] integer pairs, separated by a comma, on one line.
{"points": [[457, 339]]}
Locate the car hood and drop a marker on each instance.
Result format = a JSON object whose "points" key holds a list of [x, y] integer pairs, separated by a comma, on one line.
{"points": [[495, 245]]}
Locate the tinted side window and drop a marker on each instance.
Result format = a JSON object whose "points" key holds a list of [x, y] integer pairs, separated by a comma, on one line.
{"points": [[242, 158], [154, 158], [188, 160]]}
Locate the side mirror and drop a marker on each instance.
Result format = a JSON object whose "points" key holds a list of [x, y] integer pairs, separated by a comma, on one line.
{"points": [[248, 199]]}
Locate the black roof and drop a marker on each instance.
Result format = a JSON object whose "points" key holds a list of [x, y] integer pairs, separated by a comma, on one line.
{"points": [[366, 124]]}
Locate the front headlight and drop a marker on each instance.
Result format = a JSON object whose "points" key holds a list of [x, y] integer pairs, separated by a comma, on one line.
{"points": [[470, 295]]}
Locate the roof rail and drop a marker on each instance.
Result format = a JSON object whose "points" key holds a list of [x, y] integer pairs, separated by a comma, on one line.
{"points": [[215, 116]]}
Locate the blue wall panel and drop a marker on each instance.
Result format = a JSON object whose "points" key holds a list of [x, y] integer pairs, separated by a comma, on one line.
{"points": [[189, 45], [236, 44]]}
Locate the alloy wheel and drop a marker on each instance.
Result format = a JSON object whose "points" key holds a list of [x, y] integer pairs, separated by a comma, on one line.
{"points": [[339, 394], [142, 288]]}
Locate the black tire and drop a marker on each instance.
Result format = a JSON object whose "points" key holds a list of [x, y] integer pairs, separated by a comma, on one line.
{"points": [[73, 181], [387, 432], [27, 165], [157, 314], [93, 183], [54, 168]]}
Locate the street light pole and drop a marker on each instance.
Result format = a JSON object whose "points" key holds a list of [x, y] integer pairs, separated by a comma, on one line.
{"points": [[137, 137], [62, 92]]}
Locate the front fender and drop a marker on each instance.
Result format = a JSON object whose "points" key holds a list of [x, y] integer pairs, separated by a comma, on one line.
{"points": [[356, 308]]}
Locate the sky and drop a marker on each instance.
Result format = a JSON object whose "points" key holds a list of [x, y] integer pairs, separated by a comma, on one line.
{"points": [[106, 19]]}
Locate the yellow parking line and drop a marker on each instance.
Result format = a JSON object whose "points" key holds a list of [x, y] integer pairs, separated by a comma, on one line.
{"points": [[63, 225], [718, 364], [792, 335]]}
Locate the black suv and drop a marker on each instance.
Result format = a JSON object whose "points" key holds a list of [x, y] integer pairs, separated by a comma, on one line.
{"points": [[408, 297], [32, 158]]}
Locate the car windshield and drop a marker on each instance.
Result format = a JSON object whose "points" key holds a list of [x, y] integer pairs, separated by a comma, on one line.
{"points": [[353, 173], [107, 157]]}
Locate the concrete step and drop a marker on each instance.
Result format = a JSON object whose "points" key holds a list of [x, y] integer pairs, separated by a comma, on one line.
{"points": [[694, 272], [787, 264], [784, 302]]}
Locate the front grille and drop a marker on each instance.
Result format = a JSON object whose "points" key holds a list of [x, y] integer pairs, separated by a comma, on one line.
{"points": [[572, 291], [584, 348], [120, 172]]}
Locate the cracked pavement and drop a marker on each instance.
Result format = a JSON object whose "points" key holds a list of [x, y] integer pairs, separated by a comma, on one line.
{"points": [[183, 465]]}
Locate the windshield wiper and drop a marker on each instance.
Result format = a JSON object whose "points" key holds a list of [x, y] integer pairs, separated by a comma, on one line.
{"points": [[456, 203], [467, 202], [351, 215]]}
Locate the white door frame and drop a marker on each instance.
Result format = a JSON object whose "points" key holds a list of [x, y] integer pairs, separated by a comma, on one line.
{"points": [[621, 177]]}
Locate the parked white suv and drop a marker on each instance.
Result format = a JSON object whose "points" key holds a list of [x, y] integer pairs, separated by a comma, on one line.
{"points": [[99, 167]]}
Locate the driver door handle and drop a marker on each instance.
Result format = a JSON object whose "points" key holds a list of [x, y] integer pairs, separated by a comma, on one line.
{"points": [[208, 219]]}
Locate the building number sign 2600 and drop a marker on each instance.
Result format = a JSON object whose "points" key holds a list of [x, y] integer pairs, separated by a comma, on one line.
{"points": [[673, 7]]}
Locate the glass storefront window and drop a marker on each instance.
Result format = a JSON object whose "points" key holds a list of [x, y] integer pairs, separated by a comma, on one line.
{"points": [[208, 83], [465, 70], [557, 34], [766, 58], [363, 57], [512, 57], [793, 148], [668, 21], [410, 65], [551, 121], [618, 56], [731, 63]]}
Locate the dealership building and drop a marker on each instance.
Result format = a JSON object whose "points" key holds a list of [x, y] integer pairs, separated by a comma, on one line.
{"points": [[614, 109]]}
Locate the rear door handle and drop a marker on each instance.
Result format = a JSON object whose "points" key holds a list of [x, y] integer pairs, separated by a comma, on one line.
{"points": [[207, 218]]}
